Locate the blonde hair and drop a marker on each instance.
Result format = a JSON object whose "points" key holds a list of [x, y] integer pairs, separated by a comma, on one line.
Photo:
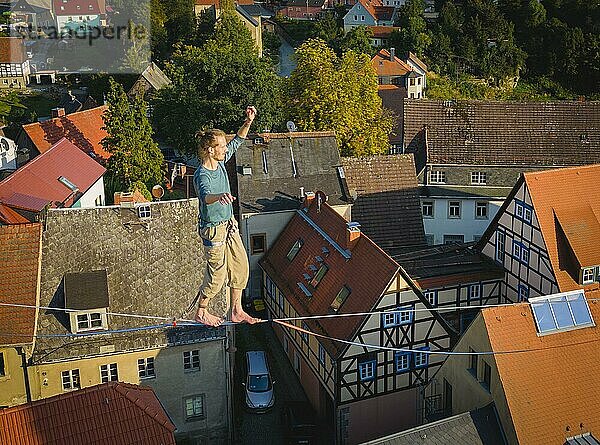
{"points": [[207, 139]]}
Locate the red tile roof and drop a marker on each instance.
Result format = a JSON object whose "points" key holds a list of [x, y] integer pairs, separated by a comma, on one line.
{"points": [[380, 32], [36, 183], [9, 216], [85, 129], [20, 260], [111, 413], [386, 67], [554, 387], [12, 50], [78, 7], [568, 199], [367, 273]]}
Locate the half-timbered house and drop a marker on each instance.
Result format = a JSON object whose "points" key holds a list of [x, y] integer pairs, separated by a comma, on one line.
{"points": [[545, 234], [322, 265], [273, 173], [469, 154], [456, 277], [536, 363]]}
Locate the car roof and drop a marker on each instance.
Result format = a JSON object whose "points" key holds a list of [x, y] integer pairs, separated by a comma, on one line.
{"points": [[257, 362]]}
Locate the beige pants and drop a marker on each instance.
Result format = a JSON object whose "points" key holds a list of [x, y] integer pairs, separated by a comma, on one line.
{"points": [[226, 260]]}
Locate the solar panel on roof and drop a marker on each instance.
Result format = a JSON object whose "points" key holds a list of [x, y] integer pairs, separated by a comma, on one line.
{"points": [[563, 311]]}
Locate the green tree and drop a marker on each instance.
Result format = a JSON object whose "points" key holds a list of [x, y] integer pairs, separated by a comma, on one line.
{"points": [[413, 34], [213, 84], [358, 40], [134, 157], [326, 92]]}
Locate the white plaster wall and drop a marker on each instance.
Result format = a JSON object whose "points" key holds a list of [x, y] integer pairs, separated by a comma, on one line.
{"points": [[88, 199], [8, 159], [466, 225]]}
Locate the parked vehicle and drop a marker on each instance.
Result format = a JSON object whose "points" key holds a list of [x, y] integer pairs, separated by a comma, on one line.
{"points": [[300, 424], [259, 385]]}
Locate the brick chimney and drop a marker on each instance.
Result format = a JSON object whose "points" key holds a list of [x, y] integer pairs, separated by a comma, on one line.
{"points": [[57, 112], [392, 54], [308, 198], [352, 233]]}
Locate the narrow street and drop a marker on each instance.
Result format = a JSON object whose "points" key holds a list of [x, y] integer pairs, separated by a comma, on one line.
{"points": [[251, 428]]}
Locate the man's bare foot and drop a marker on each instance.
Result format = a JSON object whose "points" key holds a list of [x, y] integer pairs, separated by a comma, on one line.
{"points": [[205, 317], [239, 316]]}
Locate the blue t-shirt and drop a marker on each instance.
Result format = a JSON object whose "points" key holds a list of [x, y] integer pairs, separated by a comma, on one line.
{"points": [[214, 182]]}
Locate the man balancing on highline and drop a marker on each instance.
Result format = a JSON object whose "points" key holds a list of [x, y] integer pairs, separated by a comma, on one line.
{"points": [[226, 260]]}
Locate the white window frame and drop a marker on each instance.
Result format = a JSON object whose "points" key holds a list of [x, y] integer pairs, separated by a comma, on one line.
{"points": [[500, 245], [366, 370], [474, 291], [479, 205], [146, 369], [109, 373], [428, 204], [71, 379], [75, 320], [437, 177], [432, 297], [198, 410], [401, 361], [421, 359], [585, 271], [452, 206], [191, 360], [478, 178]]}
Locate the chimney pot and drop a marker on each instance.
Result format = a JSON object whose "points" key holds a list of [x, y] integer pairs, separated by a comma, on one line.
{"points": [[352, 233], [57, 112], [392, 54]]}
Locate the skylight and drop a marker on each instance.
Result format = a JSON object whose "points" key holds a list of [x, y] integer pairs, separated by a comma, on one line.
{"points": [[560, 312], [64, 181], [304, 289]]}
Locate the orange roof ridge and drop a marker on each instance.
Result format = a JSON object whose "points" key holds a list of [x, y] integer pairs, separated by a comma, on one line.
{"points": [[555, 171]]}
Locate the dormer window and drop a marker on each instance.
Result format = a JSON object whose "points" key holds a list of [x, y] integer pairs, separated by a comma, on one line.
{"points": [[86, 295], [144, 211], [437, 177], [587, 275]]}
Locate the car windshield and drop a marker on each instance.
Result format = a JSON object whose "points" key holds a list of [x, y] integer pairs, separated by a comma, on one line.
{"points": [[259, 383]]}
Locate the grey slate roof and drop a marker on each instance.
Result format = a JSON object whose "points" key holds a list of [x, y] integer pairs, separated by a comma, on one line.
{"points": [[153, 268], [256, 10], [316, 158], [155, 76], [86, 290], [444, 260], [464, 192], [387, 199], [478, 427], [500, 133]]}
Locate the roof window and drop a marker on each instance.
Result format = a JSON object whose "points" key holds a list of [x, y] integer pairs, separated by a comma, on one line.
{"points": [[144, 211], [340, 298], [319, 275], [295, 249], [561, 312], [68, 184]]}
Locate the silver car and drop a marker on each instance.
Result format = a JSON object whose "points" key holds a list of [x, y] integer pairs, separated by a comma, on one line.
{"points": [[259, 385]]}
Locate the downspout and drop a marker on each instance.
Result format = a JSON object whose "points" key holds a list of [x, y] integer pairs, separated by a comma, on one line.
{"points": [[21, 352]]}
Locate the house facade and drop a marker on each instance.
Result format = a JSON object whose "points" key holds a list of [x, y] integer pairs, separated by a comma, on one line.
{"points": [[97, 263], [14, 64], [370, 13], [85, 129], [469, 154], [122, 413], [304, 10], [493, 365], [541, 235], [455, 277], [62, 177], [391, 70], [321, 264], [20, 269], [79, 16], [273, 172]]}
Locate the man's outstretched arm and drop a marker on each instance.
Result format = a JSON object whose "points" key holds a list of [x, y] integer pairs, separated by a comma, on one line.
{"points": [[250, 115]]}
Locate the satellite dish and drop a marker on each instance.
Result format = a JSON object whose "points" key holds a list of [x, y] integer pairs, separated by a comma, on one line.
{"points": [[291, 126], [158, 191]]}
